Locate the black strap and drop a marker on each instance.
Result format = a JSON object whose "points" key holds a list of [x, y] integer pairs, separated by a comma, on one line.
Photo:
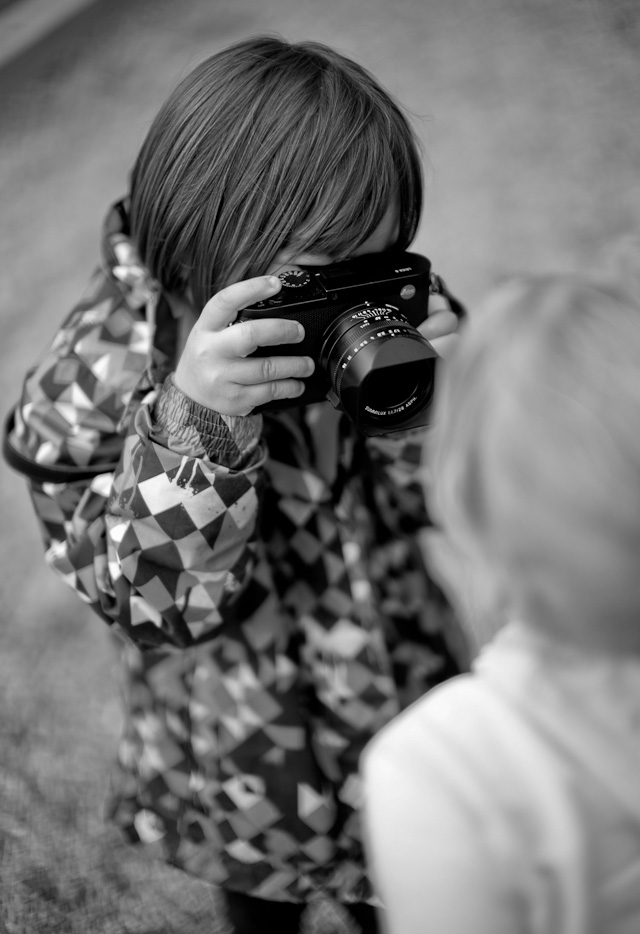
{"points": [[44, 473], [437, 286]]}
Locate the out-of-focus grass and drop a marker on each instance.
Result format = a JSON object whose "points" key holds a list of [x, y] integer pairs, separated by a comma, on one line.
{"points": [[62, 868], [64, 871]]}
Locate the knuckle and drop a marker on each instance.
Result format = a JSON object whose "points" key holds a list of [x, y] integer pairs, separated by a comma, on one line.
{"points": [[277, 391], [284, 389], [225, 298], [269, 369]]}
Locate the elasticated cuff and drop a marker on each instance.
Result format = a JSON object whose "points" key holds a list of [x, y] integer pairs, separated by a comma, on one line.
{"points": [[191, 429]]}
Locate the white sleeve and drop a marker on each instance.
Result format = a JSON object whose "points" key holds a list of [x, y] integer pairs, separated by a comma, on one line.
{"points": [[429, 833]]}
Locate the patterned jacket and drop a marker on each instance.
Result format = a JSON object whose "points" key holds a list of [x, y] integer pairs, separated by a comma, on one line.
{"points": [[272, 621]]}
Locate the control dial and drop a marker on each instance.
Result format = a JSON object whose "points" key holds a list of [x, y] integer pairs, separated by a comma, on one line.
{"points": [[294, 278]]}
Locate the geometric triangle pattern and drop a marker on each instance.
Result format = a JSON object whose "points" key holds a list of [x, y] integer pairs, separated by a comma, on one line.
{"points": [[270, 621]]}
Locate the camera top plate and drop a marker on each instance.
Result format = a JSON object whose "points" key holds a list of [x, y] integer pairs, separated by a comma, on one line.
{"points": [[374, 273]]}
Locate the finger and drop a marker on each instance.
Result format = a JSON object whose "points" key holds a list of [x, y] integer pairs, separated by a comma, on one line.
{"points": [[223, 308], [439, 324], [438, 302], [247, 336], [249, 397], [444, 346], [260, 370]]}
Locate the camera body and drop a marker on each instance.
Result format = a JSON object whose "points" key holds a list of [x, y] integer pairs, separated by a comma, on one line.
{"points": [[360, 319]]}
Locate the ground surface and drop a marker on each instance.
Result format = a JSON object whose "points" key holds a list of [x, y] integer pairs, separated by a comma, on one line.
{"points": [[528, 110]]}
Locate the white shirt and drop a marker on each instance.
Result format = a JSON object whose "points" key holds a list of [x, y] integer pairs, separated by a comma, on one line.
{"points": [[508, 800]]}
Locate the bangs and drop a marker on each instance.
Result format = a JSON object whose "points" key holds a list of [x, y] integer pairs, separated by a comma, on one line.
{"points": [[343, 218], [352, 202]]}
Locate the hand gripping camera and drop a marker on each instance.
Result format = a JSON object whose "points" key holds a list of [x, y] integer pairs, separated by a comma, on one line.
{"points": [[360, 319]]}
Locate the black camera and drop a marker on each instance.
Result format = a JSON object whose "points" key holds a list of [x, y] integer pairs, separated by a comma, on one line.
{"points": [[360, 319]]}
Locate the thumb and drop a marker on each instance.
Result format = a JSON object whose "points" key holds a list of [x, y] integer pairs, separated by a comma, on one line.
{"points": [[223, 308]]}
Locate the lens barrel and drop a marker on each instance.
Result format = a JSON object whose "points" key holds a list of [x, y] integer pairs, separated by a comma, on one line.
{"points": [[379, 367]]}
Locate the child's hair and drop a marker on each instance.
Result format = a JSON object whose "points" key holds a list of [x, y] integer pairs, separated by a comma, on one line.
{"points": [[535, 457], [269, 146]]}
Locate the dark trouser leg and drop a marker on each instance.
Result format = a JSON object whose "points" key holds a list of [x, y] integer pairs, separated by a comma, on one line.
{"points": [[248, 915]]}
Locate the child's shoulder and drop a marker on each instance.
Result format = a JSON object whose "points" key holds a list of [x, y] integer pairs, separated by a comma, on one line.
{"points": [[468, 759], [441, 739], [469, 737]]}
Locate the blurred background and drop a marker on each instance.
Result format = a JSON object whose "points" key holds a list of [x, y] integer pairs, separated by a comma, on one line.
{"points": [[528, 110]]}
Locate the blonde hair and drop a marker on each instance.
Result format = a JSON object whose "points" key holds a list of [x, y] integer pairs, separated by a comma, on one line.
{"points": [[535, 455]]}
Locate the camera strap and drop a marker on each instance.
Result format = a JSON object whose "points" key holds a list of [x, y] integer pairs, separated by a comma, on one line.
{"points": [[45, 473], [437, 286]]}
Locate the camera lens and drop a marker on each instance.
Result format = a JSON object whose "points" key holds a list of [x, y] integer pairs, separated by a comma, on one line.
{"points": [[385, 391], [379, 366]]}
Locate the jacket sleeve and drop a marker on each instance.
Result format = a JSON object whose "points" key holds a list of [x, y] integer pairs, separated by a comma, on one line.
{"points": [[147, 501]]}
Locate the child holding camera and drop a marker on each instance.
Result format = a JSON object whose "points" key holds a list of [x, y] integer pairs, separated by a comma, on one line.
{"points": [[507, 799], [263, 569]]}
